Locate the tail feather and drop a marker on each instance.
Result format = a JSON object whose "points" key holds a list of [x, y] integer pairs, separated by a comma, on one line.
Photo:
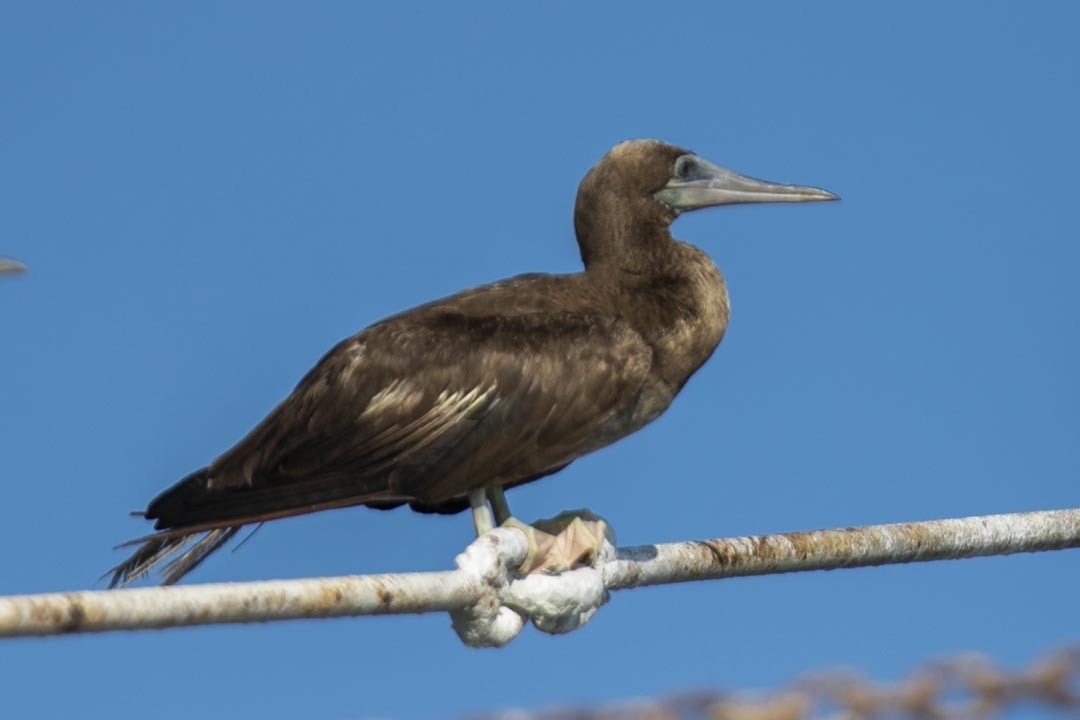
{"points": [[157, 549], [195, 520], [193, 557]]}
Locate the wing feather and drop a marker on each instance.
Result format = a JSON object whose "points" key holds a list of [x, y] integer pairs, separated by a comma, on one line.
{"points": [[420, 408]]}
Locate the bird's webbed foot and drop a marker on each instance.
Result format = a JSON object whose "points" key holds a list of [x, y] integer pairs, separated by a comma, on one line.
{"points": [[571, 539]]}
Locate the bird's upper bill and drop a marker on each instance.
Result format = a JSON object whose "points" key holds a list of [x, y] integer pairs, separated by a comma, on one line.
{"points": [[697, 183]]}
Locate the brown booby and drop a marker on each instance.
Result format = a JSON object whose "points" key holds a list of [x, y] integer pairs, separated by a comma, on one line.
{"points": [[444, 406]]}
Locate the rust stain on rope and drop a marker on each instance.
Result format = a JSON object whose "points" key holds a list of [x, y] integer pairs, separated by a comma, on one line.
{"points": [[844, 548], [159, 607]]}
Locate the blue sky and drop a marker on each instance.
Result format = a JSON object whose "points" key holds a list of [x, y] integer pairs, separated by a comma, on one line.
{"points": [[211, 195]]}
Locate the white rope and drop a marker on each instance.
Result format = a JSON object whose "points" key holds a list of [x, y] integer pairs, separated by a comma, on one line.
{"points": [[489, 605]]}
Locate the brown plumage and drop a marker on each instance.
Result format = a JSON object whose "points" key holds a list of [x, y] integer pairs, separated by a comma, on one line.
{"points": [[495, 386]]}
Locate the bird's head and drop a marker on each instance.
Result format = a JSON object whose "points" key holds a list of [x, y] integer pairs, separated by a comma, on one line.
{"points": [[641, 186]]}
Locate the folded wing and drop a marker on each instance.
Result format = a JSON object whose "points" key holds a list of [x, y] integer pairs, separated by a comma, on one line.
{"points": [[420, 409]]}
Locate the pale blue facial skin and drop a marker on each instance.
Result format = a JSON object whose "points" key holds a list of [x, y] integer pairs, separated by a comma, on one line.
{"points": [[697, 183]]}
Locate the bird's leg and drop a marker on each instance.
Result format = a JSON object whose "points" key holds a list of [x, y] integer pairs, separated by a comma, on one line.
{"points": [[498, 503], [481, 514]]}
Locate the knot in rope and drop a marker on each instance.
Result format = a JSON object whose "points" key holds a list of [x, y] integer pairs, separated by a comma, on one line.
{"points": [[555, 604]]}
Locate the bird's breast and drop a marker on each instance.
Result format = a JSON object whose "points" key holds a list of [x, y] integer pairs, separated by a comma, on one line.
{"points": [[693, 317]]}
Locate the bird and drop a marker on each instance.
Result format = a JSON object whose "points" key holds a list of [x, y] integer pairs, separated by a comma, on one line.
{"points": [[444, 406]]}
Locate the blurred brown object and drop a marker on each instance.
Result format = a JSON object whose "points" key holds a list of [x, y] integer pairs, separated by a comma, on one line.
{"points": [[965, 687], [9, 266]]}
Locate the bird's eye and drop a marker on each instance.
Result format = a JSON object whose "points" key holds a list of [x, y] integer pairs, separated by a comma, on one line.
{"points": [[684, 168]]}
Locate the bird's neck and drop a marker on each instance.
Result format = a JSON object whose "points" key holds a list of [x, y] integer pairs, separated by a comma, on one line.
{"points": [[615, 234], [675, 296]]}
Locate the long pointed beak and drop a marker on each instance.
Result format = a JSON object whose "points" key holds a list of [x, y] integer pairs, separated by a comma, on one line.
{"points": [[701, 184], [7, 265]]}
